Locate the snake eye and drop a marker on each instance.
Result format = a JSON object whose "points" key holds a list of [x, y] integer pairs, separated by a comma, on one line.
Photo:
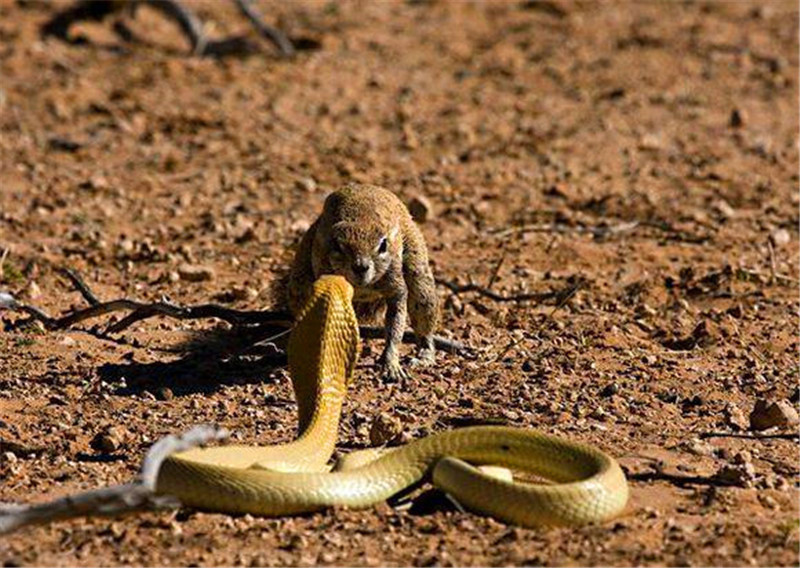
{"points": [[383, 246]]}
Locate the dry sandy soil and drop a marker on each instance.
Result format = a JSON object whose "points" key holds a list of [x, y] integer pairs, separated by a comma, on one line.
{"points": [[648, 149]]}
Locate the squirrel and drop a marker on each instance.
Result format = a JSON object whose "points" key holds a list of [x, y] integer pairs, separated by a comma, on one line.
{"points": [[366, 234]]}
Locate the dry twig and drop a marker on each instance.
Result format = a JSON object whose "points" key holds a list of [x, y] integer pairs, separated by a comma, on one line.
{"points": [[603, 231], [751, 435], [459, 288], [254, 319], [599, 231], [136, 496], [190, 25], [564, 297], [277, 37]]}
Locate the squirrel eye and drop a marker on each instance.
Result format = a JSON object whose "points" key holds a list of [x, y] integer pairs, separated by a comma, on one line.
{"points": [[336, 247], [383, 246]]}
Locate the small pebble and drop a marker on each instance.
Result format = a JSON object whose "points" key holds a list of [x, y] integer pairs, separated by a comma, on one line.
{"points": [[109, 440], [735, 417], [164, 393], [308, 184], [420, 209], [738, 118], [609, 390], [780, 238], [650, 142], [767, 414], [724, 209], [32, 291], [300, 226], [698, 447], [741, 475], [385, 428], [195, 273]]}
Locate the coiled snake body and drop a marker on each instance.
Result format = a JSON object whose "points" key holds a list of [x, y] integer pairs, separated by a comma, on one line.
{"points": [[293, 478]]}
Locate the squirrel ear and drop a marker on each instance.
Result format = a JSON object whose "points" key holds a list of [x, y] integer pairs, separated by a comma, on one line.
{"points": [[393, 233]]}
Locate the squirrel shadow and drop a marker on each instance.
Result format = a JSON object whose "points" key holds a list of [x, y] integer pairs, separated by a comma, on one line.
{"points": [[209, 361]]}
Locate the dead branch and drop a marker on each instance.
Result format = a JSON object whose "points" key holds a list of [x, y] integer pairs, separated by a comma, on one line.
{"points": [[564, 297], [600, 231], [460, 288], [751, 435], [188, 22], [277, 37], [136, 496], [497, 267], [269, 320], [603, 231], [777, 277], [443, 343], [680, 480], [537, 296], [81, 286]]}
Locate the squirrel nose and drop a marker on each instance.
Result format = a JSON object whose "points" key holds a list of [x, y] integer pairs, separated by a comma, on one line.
{"points": [[360, 268]]}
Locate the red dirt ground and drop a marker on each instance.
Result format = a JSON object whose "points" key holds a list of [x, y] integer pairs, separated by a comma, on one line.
{"points": [[125, 161]]}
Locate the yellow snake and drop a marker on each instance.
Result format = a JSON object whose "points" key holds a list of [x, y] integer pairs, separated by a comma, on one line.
{"points": [[589, 486]]}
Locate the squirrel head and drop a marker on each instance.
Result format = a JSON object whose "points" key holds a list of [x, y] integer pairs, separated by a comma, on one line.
{"points": [[363, 253]]}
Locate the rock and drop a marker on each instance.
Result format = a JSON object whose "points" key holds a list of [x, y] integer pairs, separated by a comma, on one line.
{"points": [[244, 293], [767, 414], [8, 458], [741, 473], [735, 418], [724, 209], [410, 138], [385, 428], [738, 118], [32, 291], [237, 293], [609, 390], [127, 246], [295, 542], [780, 238], [698, 447], [455, 304], [308, 184], [195, 273], [67, 341], [650, 142], [164, 393], [742, 458], [247, 236], [741, 476], [599, 413], [300, 226], [420, 209], [109, 440]]}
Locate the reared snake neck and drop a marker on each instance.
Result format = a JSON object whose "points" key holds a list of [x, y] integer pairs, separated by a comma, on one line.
{"points": [[294, 478]]}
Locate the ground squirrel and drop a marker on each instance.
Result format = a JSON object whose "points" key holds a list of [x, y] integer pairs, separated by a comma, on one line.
{"points": [[366, 234]]}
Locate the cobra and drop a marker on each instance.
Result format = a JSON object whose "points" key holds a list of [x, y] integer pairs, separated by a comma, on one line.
{"points": [[587, 485]]}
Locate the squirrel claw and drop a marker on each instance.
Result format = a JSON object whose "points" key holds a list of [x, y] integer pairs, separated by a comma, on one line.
{"points": [[393, 372]]}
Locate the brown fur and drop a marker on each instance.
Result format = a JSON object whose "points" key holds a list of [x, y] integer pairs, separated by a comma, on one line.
{"points": [[346, 239]]}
